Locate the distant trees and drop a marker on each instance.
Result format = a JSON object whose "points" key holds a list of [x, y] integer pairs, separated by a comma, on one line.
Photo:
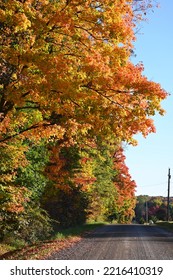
{"points": [[154, 207]]}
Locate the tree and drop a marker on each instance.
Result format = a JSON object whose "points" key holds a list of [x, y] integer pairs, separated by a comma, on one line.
{"points": [[101, 191], [140, 208], [64, 197], [80, 42], [21, 187], [125, 187], [156, 207]]}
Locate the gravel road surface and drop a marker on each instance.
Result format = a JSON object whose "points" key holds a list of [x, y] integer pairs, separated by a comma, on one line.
{"points": [[121, 242]]}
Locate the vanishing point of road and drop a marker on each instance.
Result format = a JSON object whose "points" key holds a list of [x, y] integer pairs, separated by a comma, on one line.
{"points": [[121, 242]]}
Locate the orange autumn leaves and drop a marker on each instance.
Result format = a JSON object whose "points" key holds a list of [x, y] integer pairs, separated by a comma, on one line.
{"points": [[72, 58], [125, 187], [66, 76]]}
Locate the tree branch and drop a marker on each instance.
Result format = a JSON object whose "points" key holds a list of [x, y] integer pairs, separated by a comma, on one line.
{"points": [[35, 126]]}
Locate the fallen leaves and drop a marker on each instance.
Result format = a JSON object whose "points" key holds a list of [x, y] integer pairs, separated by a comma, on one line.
{"points": [[41, 250]]}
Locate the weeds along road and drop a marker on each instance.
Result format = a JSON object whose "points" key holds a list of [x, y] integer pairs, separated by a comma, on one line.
{"points": [[121, 242]]}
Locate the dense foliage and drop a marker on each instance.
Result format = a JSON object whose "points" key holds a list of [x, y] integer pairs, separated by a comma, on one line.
{"points": [[69, 98], [153, 208]]}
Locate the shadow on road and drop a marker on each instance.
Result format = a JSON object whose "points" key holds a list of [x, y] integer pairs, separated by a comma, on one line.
{"points": [[138, 231]]}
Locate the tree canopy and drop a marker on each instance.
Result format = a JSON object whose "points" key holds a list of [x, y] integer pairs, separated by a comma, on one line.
{"points": [[69, 98]]}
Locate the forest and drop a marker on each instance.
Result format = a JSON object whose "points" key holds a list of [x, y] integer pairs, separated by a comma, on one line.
{"points": [[70, 101]]}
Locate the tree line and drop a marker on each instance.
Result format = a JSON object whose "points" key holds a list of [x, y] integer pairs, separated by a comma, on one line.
{"points": [[70, 100], [153, 208]]}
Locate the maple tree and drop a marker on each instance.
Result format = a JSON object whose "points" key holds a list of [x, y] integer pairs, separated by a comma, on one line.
{"points": [[101, 191], [64, 197], [125, 186], [66, 64]]}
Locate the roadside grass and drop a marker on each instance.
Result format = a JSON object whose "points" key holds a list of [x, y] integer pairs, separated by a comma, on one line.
{"points": [[77, 230], [166, 225], [43, 249]]}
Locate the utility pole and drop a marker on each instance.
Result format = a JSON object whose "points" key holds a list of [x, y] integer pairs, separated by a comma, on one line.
{"points": [[146, 211], [169, 178]]}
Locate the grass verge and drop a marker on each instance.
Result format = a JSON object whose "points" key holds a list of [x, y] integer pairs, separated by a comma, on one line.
{"points": [[42, 250], [166, 225]]}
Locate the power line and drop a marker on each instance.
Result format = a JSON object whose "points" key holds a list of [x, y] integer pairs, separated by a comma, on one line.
{"points": [[168, 198], [145, 186]]}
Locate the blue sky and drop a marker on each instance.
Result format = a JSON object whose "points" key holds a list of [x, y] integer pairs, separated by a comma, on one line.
{"points": [[149, 162]]}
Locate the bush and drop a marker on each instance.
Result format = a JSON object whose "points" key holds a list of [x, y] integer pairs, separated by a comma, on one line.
{"points": [[30, 226]]}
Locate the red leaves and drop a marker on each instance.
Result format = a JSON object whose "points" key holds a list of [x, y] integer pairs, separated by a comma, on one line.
{"points": [[125, 187]]}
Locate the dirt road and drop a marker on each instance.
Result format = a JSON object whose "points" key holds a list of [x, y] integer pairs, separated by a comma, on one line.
{"points": [[121, 242]]}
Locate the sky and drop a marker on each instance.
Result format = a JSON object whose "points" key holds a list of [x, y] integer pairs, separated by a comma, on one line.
{"points": [[148, 162]]}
